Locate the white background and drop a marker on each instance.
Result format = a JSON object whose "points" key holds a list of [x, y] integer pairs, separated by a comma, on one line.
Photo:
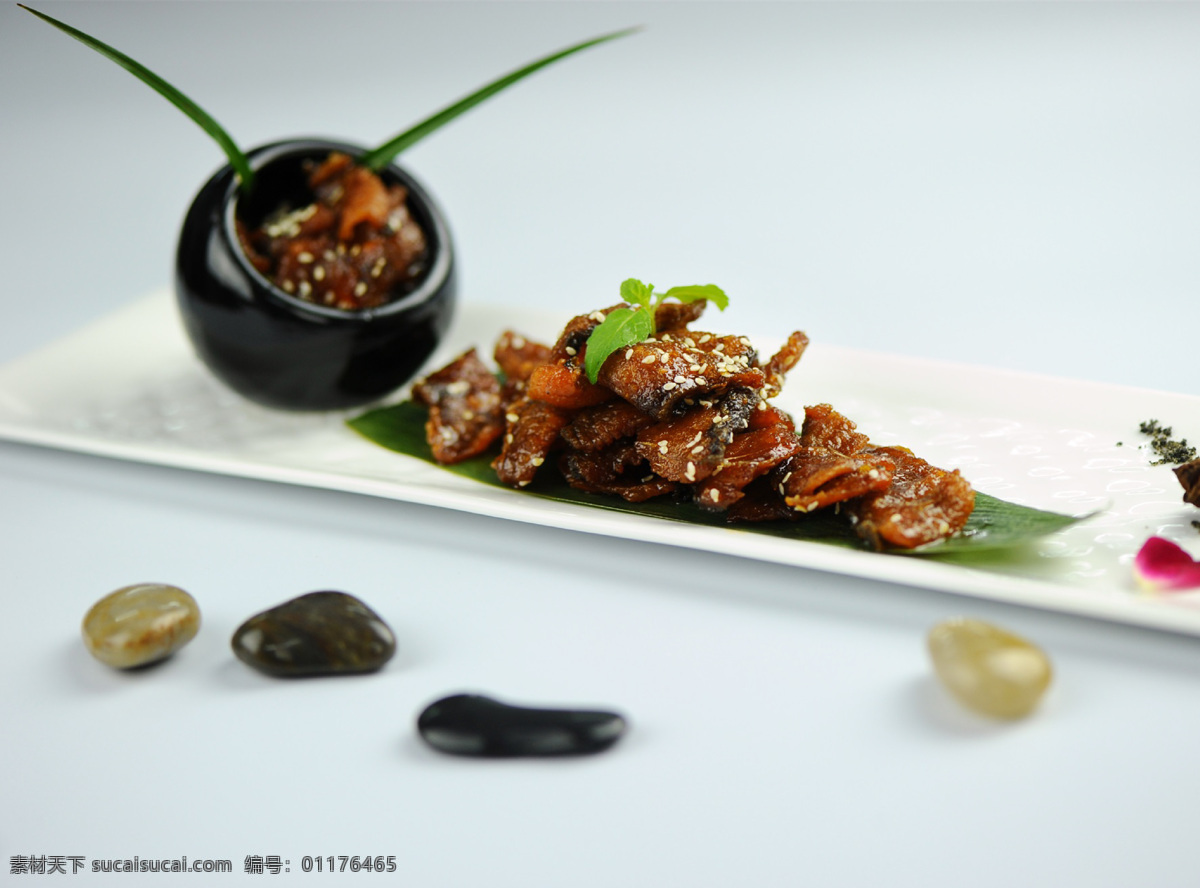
{"points": [[1013, 185]]}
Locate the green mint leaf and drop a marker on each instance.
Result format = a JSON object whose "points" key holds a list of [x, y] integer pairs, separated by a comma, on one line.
{"points": [[696, 292], [383, 155], [236, 158], [635, 292], [621, 329]]}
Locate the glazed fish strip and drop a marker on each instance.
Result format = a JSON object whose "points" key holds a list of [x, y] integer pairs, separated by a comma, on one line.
{"points": [[664, 378], [923, 503], [532, 433], [817, 477], [691, 448], [618, 470], [783, 361], [825, 427], [594, 428], [566, 387], [749, 456], [465, 415], [517, 355]]}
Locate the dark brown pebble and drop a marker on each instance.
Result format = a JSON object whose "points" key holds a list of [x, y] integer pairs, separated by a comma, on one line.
{"points": [[321, 633]]}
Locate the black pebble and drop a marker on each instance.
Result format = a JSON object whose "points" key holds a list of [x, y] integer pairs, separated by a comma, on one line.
{"points": [[468, 724]]}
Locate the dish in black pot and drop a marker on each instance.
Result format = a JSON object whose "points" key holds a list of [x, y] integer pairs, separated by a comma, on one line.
{"points": [[278, 348], [295, 350]]}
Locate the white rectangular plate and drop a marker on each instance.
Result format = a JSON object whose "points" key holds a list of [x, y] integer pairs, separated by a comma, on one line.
{"points": [[129, 387]]}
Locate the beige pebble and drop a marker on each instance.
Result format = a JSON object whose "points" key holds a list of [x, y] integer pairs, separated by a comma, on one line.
{"points": [[140, 624], [988, 669]]}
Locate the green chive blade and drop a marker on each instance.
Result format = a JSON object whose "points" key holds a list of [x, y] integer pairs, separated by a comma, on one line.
{"points": [[383, 155], [236, 158]]}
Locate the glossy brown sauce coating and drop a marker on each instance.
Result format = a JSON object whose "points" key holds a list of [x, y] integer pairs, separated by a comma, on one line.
{"points": [[466, 413], [685, 414]]}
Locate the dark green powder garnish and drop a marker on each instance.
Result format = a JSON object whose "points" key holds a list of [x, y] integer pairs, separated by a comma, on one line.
{"points": [[1169, 452]]}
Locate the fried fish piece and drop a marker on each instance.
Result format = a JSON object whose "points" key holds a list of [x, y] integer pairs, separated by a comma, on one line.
{"points": [[617, 470], [748, 456], [531, 434], [922, 505], [594, 428], [690, 447], [665, 377], [782, 362], [817, 477], [565, 386], [518, 355], [825, 427], [465, 411]]}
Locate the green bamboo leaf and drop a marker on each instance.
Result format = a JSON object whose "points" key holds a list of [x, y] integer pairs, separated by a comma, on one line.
{"points": [[383, 155], [236, 158], [621, 329], [995, 529]]}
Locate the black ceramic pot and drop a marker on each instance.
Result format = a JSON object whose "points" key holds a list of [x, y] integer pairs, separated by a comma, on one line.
{"points": [[278, 349]]}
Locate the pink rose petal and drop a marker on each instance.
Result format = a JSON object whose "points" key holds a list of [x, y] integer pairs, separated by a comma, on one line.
{"points": [[1162, 565]]}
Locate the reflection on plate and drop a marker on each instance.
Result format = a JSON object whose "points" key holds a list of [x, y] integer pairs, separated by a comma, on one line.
{"points": [[128, 387]]}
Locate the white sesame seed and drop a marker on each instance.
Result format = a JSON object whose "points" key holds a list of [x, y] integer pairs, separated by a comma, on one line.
{"points": [[649, 359], [628, 353], [537, 461], [668, 386], [304, 258], [319, 273], [511, 417], [360, 289], [570, 350], [690, 474], [715, 494], [305, 289]]}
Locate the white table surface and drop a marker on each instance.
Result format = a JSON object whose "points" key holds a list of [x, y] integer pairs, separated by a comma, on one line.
{"points": [[1007, 185]]}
